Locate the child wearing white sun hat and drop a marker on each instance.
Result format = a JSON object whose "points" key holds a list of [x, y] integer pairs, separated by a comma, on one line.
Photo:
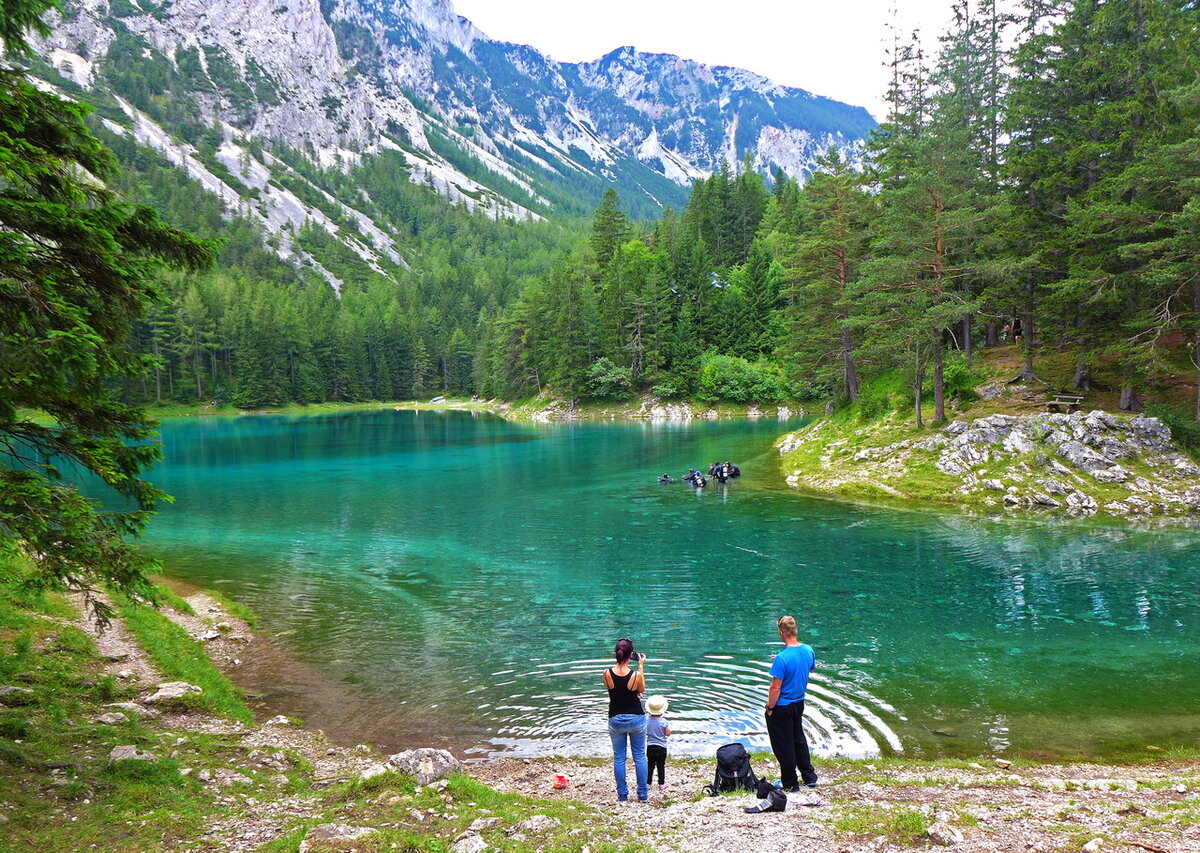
{"points": [[658, 729]]}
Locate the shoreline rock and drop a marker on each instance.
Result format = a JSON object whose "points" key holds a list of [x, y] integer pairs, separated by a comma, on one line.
{"points": [[1076, 463]]}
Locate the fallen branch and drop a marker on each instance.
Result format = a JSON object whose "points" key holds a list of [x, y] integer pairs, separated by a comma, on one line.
{"points": [[1149, 847]]}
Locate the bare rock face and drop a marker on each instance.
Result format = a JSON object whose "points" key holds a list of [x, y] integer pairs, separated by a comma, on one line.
{"points": [[334, 837], [427, 764], [130, 753]]}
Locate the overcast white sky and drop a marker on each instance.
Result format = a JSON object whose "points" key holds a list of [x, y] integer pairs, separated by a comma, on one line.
{"points": [[831, 47]]}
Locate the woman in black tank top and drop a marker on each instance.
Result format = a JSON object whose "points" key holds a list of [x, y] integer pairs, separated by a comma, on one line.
{"points": [[626, 719]]}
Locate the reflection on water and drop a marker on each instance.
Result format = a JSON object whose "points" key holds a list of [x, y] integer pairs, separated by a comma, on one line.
{"points": [[714, 698], [467, 577]]}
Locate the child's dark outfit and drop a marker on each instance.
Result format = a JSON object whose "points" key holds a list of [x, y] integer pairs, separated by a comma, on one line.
{"points": [[656, 748]]}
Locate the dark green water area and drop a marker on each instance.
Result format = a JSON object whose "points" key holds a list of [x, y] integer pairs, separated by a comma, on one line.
{"points": [[456, 578]]}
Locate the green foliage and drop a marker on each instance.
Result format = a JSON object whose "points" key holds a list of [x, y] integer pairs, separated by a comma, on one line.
{"points": [[880, 395], [607, 381], [725, 377], [64, 325], [961, 378]]}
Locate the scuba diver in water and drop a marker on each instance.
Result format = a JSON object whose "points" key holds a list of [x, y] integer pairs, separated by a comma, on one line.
{"points": [[665, 478], [731, 470]]}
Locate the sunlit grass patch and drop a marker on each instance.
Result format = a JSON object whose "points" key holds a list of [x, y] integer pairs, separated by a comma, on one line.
{"points": [[901, 826]]}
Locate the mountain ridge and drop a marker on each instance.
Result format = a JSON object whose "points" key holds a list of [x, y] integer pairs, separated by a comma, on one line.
{"points": [[496, 126]]}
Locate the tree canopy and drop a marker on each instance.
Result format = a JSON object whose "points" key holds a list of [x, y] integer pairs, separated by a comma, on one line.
{"points": [[77, 267]]}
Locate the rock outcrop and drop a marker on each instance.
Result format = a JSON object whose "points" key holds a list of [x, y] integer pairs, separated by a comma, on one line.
{"points": [[1078, 463]]}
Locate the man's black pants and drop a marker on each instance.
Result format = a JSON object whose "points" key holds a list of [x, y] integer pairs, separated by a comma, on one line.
{"points": [[785, 727]]}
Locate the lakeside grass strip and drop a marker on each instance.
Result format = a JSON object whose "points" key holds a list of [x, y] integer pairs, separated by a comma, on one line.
{"points": [[179, 657]]}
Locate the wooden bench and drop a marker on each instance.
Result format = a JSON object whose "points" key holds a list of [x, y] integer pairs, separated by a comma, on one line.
{"points": [[1068, 403]]}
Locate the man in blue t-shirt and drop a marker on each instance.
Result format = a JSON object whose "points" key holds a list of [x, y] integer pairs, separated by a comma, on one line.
{"points": [[785, 708]]}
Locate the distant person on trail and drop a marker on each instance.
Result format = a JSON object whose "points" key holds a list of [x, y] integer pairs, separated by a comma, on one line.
{"points": [[1017, 331], [626, 719], [785, 708]]}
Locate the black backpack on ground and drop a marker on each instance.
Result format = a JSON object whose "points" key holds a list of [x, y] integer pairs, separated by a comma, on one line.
{"points": [[733, 771]]}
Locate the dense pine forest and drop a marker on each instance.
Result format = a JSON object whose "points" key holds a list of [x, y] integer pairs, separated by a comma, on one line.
{"points": [[1038, 181]]}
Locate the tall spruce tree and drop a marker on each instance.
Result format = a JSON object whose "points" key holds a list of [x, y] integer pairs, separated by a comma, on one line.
{"points": [[823, 265], [77, 266]]}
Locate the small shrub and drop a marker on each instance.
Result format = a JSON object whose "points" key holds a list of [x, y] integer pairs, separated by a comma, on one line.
{"points": [[606, 380], [727, 377], [668, 389], [960, 378]]}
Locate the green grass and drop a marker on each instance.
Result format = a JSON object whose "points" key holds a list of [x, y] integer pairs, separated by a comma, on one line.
{"points": [[900, 826], [233, 608], [180, 658]]}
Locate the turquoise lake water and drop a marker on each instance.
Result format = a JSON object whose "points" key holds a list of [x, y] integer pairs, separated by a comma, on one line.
{"points": [[456, 578]]}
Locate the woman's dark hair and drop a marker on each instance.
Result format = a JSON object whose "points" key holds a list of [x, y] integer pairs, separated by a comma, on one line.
{"points": [[623, 649]]}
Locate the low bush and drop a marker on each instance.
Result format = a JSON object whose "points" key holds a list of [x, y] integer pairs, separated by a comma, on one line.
{"points": [[607, 381], [727, 377]]}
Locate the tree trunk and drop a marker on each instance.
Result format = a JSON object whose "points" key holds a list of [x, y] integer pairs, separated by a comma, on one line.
{"points": [[1129, 402], [1083, 374], [939, 382], [918, 381], [968, 343], [1027, 373], [993, 334], [849, 374], [158, 375], [1196, 312]]}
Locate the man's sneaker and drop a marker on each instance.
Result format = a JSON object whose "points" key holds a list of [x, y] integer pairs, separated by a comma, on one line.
{"points": [[795, 789]]}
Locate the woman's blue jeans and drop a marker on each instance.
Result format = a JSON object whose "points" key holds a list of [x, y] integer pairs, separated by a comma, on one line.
{"points": [[633, 727]]}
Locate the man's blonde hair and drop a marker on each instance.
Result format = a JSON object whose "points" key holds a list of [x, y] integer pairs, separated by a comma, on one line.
{"points": [[787, 626]]}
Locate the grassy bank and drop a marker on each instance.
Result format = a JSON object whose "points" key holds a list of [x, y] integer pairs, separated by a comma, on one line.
{"points": [[59, 792]]}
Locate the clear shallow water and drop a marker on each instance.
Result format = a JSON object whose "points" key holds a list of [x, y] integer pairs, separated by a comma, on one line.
{"points": [[459, 578]]}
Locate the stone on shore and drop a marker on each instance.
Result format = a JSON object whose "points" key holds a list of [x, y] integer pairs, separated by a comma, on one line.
{"points": [[944, 834], [130, 753], [427, 764], [469, 842], [334, 838], [170, 691]]}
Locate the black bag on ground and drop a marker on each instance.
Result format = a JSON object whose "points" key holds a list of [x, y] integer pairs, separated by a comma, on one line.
{"points": [[733, 771]]}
